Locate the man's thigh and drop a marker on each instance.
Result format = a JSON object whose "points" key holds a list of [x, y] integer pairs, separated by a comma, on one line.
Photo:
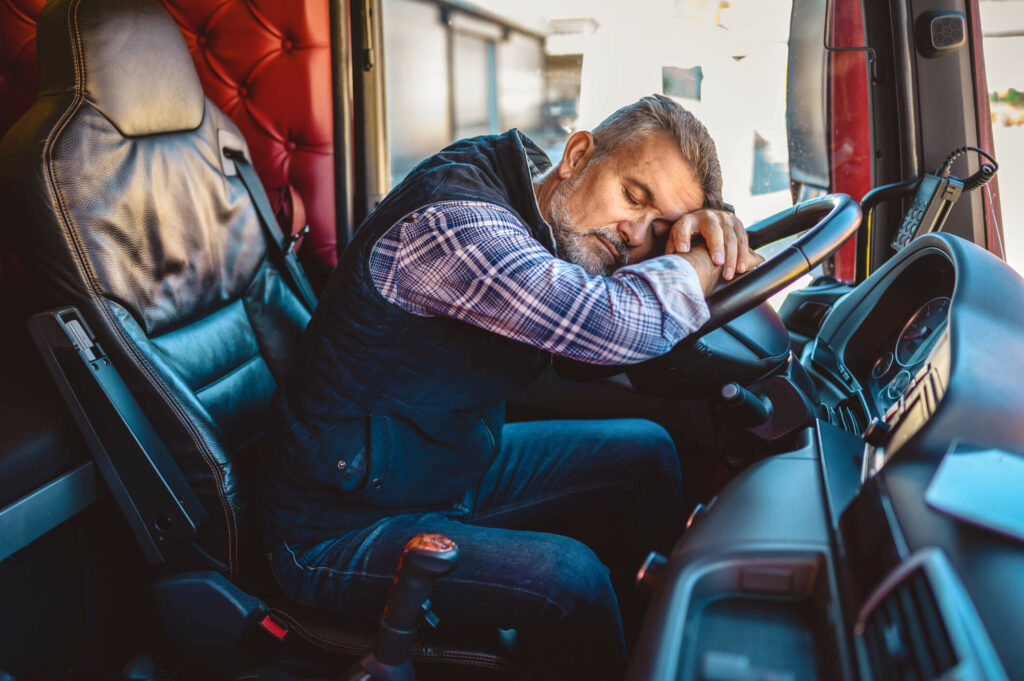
{"points": [[504, 578], [553, 590], [549, 470]]}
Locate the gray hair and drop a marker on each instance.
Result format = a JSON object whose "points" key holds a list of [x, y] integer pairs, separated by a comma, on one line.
{"points": [[657, 113]]}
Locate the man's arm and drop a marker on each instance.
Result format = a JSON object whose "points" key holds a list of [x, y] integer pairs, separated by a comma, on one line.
{"points": [[478, 263], [724, 240]]}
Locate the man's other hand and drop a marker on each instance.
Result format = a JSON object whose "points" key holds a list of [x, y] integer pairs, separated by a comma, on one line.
{"points": [[725, 237], [707, 271]]}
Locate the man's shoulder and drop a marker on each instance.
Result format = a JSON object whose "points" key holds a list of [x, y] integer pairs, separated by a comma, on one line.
{"points": [[459, 215], [449, 226]]}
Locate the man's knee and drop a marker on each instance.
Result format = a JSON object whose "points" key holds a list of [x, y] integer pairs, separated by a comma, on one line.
{"points": [[580, 635], [580, 584]]}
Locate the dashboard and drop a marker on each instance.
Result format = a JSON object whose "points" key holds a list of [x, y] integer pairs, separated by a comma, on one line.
{"points": [[831, 560], [895, 369]]}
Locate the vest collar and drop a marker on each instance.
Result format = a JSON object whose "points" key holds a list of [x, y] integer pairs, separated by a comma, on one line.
{"points": [[537, 164]]}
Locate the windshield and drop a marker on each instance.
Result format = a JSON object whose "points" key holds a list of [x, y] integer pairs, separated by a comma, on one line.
{"points": [[552, 67], [1003, 41]]}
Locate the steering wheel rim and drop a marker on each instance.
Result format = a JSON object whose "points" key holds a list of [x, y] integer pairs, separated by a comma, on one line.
{"points": [[832, 219], [828, 220]]}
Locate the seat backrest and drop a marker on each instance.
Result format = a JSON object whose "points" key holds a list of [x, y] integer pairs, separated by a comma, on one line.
{"points": [[113, 189], [265, 63]]}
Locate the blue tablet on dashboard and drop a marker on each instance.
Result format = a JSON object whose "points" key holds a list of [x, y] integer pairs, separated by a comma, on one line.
{"points": [[981, 486]]}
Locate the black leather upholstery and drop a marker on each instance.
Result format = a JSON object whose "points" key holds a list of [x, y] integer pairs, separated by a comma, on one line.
{"points": [[112, 185], [83, 48]]}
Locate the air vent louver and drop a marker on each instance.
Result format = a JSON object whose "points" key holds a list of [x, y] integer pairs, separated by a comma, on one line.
{"points": [[905, 636]]}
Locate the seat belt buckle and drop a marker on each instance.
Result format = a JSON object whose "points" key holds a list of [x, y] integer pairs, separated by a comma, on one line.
{"points": [[273, 627], [289, 244]]}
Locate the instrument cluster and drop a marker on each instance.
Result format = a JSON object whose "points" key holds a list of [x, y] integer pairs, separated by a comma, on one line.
{"points": [[894, 370]]}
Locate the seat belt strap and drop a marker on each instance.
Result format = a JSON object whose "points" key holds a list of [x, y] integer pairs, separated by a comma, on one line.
{"points": [[283, 251]]}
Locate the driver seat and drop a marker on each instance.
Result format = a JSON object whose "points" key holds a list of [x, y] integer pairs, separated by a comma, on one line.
{"points": [[124, 205]]}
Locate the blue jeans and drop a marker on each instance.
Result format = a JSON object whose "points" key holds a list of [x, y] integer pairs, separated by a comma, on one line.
{"points": [[613, 484]]}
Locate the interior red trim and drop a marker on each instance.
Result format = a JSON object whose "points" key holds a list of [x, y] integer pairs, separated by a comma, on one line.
{"points": [[17, 92], [267, 64], [849, 117], [990, 195]]}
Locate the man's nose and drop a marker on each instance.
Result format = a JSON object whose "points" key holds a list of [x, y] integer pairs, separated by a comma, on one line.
{"points": [[633, 232]]}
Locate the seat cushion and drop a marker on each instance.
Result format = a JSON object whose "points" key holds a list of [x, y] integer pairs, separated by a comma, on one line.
{"points": [[486, 652]]}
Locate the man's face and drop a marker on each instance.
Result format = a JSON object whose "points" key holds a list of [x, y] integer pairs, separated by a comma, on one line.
{"points": [[617, 210]]}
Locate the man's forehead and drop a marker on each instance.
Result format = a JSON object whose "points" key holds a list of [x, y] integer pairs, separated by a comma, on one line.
{"points": [[656, 169]]}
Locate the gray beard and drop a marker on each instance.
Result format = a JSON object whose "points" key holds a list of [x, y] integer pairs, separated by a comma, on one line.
{"points": [[581, 247]]}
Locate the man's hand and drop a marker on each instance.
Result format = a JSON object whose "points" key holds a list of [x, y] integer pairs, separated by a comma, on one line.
{"points": [[708, 272], [724, 236]]}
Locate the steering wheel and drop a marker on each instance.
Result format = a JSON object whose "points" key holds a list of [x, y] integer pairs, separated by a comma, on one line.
{"points": [[829, 221], [732, 345]]}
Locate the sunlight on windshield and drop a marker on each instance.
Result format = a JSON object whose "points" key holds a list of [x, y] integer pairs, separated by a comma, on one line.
{"points": [[552, 67], [1003, 43]]}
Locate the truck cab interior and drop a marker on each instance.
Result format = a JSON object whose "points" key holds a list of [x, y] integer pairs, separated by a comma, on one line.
{"points": [[178, 179]]}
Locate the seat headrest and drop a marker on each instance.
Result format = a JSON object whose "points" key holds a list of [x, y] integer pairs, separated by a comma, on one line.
{"points": [[126, 57]]}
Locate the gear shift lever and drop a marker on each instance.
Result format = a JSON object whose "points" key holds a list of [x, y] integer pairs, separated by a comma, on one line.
{"points": [[425, 558]]}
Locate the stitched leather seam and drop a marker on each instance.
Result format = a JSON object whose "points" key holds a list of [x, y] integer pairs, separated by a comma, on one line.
{"points": [[315, 638], [90, 276], [484, 660], [237, 369]]}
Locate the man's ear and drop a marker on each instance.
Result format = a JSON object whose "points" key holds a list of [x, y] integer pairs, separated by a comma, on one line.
{"points": [[578, 151]]}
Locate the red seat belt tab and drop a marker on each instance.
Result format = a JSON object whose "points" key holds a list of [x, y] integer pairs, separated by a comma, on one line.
{"points": [[274, 628]]}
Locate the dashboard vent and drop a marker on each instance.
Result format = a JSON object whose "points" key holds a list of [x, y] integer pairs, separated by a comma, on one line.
{"points": [[850, 415], [905, 636]]}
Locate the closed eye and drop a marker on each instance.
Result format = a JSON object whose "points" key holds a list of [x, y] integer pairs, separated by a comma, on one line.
{"points": [[629, 197]]}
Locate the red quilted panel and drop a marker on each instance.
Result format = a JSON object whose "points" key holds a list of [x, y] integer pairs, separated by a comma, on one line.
{"points": [[17, 58], [266, 63], [17, 88]]}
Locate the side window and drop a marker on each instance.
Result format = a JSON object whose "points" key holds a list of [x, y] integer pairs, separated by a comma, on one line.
{"points": [[553, 67], [455, 72], [1002, 25]]}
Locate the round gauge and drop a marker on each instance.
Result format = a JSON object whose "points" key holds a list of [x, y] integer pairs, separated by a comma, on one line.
{"points": [[921, 329], [882, 366], [898, 385]]}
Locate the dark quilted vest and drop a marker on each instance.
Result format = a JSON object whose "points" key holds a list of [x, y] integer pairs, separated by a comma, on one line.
{"points": [[386, 412]]}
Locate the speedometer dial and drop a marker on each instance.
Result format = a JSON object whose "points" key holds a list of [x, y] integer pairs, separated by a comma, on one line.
{"points": [[921, 330]]}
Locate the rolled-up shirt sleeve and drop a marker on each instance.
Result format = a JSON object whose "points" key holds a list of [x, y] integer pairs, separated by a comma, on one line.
{"points": [[478, 263]]}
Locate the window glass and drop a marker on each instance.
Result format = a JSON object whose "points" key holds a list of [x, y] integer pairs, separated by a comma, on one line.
{"points": [[551, 67], [1002, 24]]}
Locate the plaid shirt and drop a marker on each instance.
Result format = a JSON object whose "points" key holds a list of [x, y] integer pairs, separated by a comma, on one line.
{"points": [[478, 263]]}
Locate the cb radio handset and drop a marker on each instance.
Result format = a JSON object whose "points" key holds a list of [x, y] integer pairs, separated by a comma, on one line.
{"points": [[936, 194], [932, 203]]}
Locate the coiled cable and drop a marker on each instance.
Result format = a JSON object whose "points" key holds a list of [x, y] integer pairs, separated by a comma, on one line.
{"points": [[978, 179]]}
